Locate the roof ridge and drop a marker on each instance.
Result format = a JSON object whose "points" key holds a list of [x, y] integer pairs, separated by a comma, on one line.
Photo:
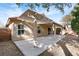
{"points": [[34, 14]]}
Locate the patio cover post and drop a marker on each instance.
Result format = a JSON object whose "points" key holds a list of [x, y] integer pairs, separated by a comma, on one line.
{"points": [[54, 29], [35, 29], [35, 33]]}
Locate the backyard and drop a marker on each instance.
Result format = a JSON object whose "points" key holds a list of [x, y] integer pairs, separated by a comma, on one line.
{"points": [[68, 46]]}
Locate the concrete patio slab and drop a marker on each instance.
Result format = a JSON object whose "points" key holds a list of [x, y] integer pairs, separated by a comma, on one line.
{"points": [[27, 46]]}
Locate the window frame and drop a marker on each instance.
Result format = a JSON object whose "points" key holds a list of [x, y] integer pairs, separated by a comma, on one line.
{"points": [[20, 29]]}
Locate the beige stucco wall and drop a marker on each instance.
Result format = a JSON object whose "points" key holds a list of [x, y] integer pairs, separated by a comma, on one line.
{"points": [[28, 33], [44, 29], [31, 30]]}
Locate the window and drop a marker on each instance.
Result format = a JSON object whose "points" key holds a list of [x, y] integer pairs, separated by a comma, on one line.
{"points": [[20, 29]]}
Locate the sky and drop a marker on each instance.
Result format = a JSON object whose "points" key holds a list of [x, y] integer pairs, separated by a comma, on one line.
{"points": [[12, 10]]}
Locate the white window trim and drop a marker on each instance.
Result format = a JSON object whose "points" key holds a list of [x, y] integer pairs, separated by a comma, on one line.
{"points": [[20, 29]]}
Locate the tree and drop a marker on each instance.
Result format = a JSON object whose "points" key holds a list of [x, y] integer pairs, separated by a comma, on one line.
{"points": [[75, 25], [67, 20], [75, 21], [47, 6]]}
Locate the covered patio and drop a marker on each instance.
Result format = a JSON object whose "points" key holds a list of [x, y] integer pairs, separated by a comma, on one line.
{"points": [[39, 28]]}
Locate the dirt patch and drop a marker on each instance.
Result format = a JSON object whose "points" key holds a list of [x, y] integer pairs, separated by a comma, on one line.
{"points": [[53, 51], [68, 46], [9, 49], [74, 50]]}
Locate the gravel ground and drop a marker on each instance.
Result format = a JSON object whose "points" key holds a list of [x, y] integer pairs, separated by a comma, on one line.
{"points": [[68, 46], [9, 49], [53, 51]]}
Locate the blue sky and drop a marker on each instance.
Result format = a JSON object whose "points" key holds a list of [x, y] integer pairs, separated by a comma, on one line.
{"points": [[11, 10]]}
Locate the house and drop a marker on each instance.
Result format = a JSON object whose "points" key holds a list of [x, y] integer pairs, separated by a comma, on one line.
{"points": [[32, 24]]}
